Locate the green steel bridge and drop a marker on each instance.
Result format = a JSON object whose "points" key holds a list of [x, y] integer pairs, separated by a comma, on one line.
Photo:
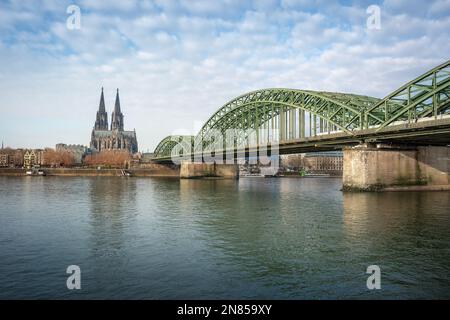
{"points": [[417, 113]]}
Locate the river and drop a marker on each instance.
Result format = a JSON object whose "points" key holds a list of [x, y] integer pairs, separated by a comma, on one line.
{"points": [[255, 238]]}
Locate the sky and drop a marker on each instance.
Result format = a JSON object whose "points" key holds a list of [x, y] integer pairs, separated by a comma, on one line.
{"points": [[177, 61]]}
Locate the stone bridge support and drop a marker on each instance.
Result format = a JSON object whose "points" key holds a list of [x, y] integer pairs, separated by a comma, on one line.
{"points": [[189, 170], [376, 167]]}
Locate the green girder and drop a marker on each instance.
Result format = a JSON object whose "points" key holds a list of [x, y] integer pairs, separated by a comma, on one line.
{"points": [[425, 96], [295, 112], [165, 147]]}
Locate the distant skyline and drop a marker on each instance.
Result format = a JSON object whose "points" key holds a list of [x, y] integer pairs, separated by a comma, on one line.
{"points": [[177, 61]]}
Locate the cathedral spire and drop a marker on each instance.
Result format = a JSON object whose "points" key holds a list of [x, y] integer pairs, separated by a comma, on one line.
{"points": [[101, 107], [101, 121], [116, 138], [117, 104], [117, 116]]}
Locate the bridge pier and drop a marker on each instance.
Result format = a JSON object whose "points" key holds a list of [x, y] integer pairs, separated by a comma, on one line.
{"points": [[371, 167], [190, 170]]}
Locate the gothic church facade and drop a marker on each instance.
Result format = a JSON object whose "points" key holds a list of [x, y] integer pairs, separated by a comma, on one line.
{"points": [[115, 137]]}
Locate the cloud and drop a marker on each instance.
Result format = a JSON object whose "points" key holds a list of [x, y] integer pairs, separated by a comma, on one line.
{"points": [[177, 61]]}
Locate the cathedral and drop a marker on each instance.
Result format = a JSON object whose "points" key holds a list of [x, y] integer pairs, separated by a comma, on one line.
{"points": [[115, 138]]}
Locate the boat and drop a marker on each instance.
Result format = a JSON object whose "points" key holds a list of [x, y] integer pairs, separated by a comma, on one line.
{"points": [[315, 175], [41, 173], [270, 172], [250, 175], [35, 171], [273, 176], [125, 173]]}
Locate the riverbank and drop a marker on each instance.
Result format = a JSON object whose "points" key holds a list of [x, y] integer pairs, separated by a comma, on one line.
{"points": [[155, 171]]}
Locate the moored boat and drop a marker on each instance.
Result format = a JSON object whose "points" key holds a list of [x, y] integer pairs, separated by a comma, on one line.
{"points": [[35, 171]]}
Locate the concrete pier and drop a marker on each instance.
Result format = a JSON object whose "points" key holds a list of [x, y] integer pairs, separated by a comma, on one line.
{"points": [[376, 167], [191, 170]]}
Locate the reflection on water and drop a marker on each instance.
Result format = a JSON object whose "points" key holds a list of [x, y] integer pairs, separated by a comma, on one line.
{"points": [[112, 211], [253, 238], [112, 204], [407, 235]]}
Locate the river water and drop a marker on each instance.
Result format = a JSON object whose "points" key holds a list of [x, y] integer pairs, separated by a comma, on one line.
{"points": [[147, 238]]}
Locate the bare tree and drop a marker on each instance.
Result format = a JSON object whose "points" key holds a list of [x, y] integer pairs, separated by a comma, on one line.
{"points": [[113, 158]]}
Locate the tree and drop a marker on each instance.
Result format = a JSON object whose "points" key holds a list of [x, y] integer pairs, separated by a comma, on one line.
{"points": [[58, 158], [112, 158]]}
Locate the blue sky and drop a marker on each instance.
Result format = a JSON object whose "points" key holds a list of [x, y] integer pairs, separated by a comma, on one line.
{"points": [[177, 61]]}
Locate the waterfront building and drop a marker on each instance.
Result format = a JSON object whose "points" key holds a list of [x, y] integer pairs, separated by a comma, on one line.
{"points": [[4, 160], [330, 162], [115, 137], [324, 162], [32, 157], [292, 162], [14, 157]]}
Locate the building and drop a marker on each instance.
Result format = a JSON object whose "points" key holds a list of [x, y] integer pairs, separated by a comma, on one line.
{"points": [[324, 162], [78, 151], [115, 137], [292, 162], [4, 160], [15, 157], [32, 158], [327, 162], [4, 157]]}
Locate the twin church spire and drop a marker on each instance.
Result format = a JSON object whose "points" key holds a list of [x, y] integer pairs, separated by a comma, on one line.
{"points": [[115, 137], [101, 122]]}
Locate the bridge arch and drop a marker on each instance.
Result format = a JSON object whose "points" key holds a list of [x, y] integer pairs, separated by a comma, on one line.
{"points": [[327, 111], [174, 145], [294, 112]]}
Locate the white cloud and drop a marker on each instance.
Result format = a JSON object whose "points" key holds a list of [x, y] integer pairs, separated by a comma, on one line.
{"points": [[176, 62]]}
